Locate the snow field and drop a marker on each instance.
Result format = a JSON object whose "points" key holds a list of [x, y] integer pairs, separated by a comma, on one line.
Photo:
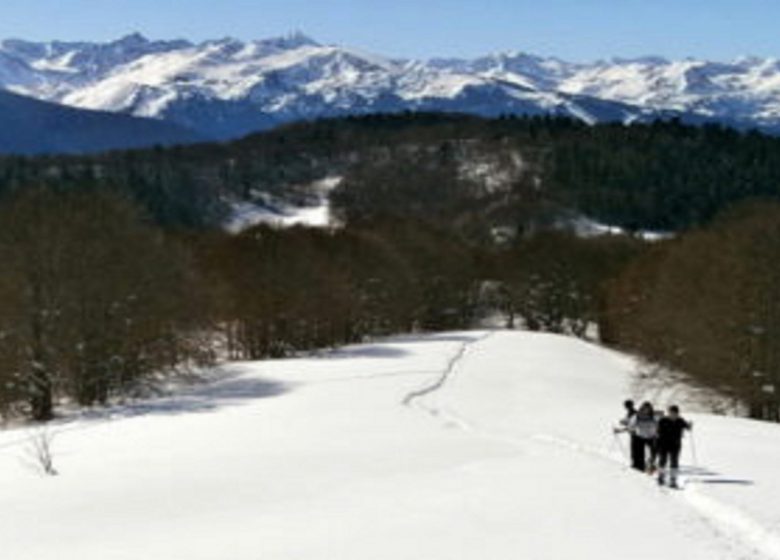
{"points": [[456, 446]]}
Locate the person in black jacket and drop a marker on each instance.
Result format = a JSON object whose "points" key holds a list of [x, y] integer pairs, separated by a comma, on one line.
{"points": [[670, 434], [637, 447], [630, 411]]}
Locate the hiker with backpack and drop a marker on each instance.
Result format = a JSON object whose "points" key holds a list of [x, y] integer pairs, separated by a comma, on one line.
{"points": [[643, 427]]}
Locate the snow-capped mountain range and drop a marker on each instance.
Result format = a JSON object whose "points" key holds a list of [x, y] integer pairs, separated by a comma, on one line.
{"points": [[227, 88]]}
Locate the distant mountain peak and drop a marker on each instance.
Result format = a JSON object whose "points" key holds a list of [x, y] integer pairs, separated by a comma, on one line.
{"points": [[134, 38], [649, 59], [227, 87], [292, 40]]}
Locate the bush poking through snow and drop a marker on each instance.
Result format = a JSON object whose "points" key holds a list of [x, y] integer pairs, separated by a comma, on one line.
{"points": [[39, 451]]}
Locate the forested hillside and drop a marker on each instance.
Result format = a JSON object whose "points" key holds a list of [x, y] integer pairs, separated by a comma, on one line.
{"points": [[478, 174], [708, 304], [119, 269]]}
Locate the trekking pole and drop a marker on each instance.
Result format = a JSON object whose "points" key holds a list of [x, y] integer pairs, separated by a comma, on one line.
{"points": [[693, 450], [620, 444], [613, 445]]}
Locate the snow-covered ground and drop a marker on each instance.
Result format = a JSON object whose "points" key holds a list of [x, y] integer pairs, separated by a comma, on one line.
{"points": [[248, 214], [294, 77], [586, 227], [484, 445]]}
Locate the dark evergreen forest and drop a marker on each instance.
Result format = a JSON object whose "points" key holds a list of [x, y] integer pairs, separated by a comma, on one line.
{"points": [[666, 175]]}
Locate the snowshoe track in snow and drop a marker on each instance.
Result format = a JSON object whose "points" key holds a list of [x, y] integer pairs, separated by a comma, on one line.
{"points": [[415, 398], [515, 465], [726, 521]]}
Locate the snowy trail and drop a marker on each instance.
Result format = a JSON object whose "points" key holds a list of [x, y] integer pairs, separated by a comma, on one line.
{"points": [[731, 524], [416, 397], [456, 446]]}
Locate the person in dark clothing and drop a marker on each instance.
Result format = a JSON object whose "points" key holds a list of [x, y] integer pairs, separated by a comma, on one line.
{"points": [[641, 425], [637, 445], [670, 434], [630, 411]]}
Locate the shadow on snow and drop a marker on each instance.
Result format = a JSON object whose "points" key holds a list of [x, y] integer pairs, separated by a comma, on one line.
{"points": [[389, 349], [230, 390], [702, 475]]}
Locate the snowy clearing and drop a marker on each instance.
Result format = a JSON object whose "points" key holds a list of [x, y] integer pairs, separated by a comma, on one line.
{"points": [[585, 227], [483, 445], [247, 214]]}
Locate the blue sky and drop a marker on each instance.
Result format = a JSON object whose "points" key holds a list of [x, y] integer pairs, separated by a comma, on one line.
{"points": [[571, 29]]}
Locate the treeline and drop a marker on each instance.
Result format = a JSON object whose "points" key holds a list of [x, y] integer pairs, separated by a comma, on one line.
{"points": [[93, 299], [282, 291], [113, 270], [664, 175], [96, 299], [708, 305], [705, 304], [557, 282]]}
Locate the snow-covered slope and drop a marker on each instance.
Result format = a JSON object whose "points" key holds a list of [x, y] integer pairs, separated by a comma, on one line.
{"points": [[226, 88], [743, 92], [463, 445]]}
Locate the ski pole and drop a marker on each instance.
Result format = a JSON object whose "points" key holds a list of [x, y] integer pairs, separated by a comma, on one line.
{"points": [[620, 445], [613, 445], [693, 450]]}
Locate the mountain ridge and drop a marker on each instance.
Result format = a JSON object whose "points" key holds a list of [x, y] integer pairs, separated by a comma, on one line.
{"points": [[32, 127], [226, 88]]}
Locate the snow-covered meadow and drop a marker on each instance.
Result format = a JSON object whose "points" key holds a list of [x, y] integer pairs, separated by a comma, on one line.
{"points": [[484, 445]]}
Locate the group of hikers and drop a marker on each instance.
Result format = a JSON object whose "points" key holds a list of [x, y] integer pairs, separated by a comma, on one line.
{"points": [[656, 439]]}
